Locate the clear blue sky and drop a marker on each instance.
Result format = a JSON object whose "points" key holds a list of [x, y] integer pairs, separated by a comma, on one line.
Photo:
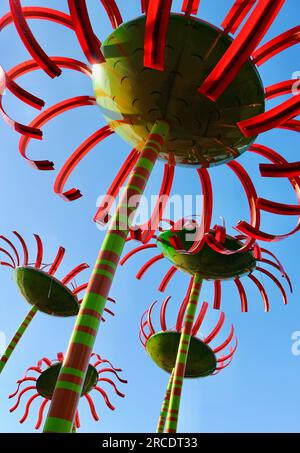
{"points": [[259, 391]]}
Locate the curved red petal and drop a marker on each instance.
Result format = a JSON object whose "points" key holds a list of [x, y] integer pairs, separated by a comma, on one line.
{"points": [[262, 292], [279, 89], [256, 233], [45, 117], [242, 293], [236, 15], [226, 342], [277, 283], [149, 319], [144, 5], [113, 12], [228, 356], [27, 407], [163, 313], [166, 280], [74, 272], [277, 45], [105, 397], [63, 62], [27, 131], [41, 414], [190, 7], [39, 257], [13, 248], [158, 15], [31, 387], [113, 371], [280, 170], [254, 212], [57, 261], [291, 125], [41, 13], [147, 265], [271, 119], [92, 407], [22, 94], [183, 306], [90, 44], [73, 162], [206, 211], [136, 250], [109, 381], [278, 208], [241, 48], [24, 247], [30, 42], [102, 216], [200, 318], [216, 329], [280, 269], [217, 294], [149, 228]]}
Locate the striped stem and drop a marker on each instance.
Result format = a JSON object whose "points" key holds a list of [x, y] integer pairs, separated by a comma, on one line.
{"points": [[182, 356], [70, 382], [10, 348], [165, 406]]}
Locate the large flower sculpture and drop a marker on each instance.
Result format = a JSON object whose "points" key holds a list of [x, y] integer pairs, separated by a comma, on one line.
{"points": [[177, 89]]}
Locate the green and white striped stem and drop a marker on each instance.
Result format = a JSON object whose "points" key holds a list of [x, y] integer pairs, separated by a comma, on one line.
{"points": [[165, 406], [182, 356], [10, 348], [70, 382]]}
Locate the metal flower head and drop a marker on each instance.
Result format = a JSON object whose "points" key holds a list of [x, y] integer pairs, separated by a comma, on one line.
{"points": [[221, 257], [44, 376], [162, 346], [39, 286], [37, 281]]}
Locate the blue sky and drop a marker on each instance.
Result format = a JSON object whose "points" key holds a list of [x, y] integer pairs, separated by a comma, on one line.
{"points": [[259, 391]]}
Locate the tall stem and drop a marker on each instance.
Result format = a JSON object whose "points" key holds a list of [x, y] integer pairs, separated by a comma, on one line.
{"points": [[18, 335], [73, 371], [182, 356], [165, 406]]}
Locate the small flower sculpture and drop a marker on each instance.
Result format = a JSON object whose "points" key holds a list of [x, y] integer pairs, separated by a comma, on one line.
{"points": [[202, 359], [234, 260], [44, 384], [38, 285]]}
